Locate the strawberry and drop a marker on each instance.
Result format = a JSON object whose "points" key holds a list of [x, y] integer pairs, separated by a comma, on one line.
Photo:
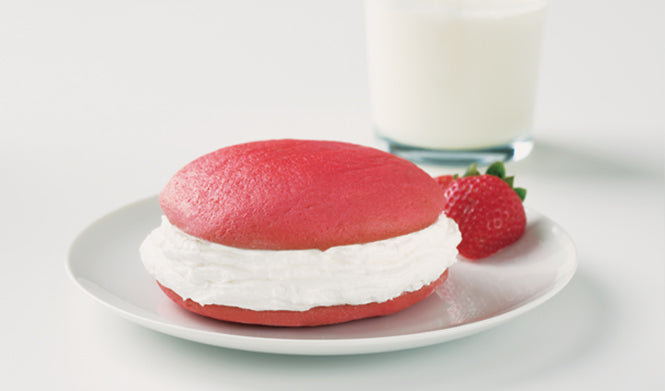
{"points": [[445, 180], [487, 209]]}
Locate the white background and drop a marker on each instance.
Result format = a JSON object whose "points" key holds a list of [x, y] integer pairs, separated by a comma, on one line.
{"points": [[100, 102]]}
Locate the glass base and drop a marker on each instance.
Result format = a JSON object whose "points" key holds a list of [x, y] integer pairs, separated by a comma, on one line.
{"points": [[517, 150]]}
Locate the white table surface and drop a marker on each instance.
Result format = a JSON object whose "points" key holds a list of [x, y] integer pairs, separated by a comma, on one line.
{"points": [[100, 102]]}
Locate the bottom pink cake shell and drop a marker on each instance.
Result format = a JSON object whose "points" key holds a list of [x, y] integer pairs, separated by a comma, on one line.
{"points": [[316, 316]]}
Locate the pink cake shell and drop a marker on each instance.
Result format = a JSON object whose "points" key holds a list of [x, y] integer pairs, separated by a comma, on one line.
{"points": [[300, 194], [316, 316]]}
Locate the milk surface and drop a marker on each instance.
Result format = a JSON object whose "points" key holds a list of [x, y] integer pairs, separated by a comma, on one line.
{"points": [[448, 74]]}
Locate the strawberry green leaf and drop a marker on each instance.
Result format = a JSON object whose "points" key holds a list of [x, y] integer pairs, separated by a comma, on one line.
{"points": [[520, 192], [497, 169], [472, 170]]}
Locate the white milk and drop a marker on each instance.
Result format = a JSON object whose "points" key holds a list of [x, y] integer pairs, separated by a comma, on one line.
{"points": [[448, 74]]}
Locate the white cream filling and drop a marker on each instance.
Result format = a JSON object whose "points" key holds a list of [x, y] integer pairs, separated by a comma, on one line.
{"points": [[297, 280]]}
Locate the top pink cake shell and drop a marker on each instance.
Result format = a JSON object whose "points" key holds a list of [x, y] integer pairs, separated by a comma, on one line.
{"points": [[300, 194]]}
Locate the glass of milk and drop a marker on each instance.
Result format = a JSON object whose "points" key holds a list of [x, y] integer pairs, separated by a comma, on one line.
{"points": [[453, 81]]}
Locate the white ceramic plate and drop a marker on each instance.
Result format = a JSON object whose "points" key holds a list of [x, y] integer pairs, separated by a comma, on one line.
{"points": [[104, 261]]}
